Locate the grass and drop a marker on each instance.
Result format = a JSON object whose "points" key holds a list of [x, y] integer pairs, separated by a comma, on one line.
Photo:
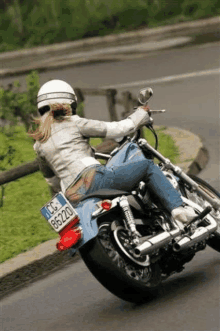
{"points": [[22, 226], [24, 24]]}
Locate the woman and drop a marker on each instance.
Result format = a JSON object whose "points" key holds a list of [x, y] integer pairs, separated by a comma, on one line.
{"points": [[67, 160]]}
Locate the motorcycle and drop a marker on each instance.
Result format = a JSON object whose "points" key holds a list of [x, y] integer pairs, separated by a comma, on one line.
{"points": [[128, 241]]}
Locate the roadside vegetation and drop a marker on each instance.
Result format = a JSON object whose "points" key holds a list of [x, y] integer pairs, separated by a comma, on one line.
{"points": [[24, 23]]}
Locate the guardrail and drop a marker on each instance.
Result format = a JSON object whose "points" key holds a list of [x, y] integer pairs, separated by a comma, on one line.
{"points": [[107, 146], [127, 100]]}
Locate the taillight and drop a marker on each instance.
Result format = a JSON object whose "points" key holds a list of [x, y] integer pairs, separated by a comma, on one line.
{"points": [[106, 204], [70, 235]]}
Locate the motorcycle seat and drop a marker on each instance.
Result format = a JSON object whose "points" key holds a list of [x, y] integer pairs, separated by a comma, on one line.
{"points": [[105, 194]]}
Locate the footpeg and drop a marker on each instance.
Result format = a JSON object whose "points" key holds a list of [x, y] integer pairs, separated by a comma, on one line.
{"points": [[205, 212]]}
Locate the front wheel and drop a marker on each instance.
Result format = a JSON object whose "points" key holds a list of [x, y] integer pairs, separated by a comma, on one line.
{"points": [[213, 242], [125, 279]]}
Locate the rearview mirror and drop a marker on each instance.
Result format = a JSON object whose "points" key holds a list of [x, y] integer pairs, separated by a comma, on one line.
{"points": [[144, 95]]}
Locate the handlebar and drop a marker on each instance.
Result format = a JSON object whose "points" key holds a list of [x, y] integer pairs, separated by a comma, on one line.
{"points": [[157, 111], [102, 156], [149, 126], [136, 136]]}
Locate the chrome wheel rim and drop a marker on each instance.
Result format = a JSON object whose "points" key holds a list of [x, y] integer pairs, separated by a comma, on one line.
{"points": [[139, 273]]}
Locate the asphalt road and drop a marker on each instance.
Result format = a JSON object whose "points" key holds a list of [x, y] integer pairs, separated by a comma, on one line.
{"points": [[72, 299]]}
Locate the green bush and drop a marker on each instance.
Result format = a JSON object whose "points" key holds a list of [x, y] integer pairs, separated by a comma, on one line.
{"points": [[16, 105], [20, 106], [25, 23], [197, 8], [168, 10]]}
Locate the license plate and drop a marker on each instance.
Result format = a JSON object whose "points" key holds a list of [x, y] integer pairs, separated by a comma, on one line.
{"points": [[59, 212]]}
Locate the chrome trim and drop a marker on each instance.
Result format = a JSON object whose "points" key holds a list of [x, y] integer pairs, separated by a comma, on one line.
{"points": [[157, 242], [215, 202], [56, 95], [143, 263], [212, 227], [129, 217], [102, 156], [200, 234], [166, 237]]}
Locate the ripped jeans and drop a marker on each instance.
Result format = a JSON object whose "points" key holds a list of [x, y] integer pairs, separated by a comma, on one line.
{"points": [[126, 176]]}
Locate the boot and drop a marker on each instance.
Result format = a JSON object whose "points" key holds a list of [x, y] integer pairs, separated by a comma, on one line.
{"points": [[183, 214]]}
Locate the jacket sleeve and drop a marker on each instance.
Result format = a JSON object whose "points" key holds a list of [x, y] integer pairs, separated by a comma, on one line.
{"points": [[93, 128]]}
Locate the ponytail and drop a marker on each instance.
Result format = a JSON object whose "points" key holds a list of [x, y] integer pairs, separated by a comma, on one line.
{"points": [[57, 113]]}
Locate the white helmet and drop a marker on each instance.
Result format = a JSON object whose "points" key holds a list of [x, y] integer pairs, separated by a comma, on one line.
{"points": [[55, 91]]}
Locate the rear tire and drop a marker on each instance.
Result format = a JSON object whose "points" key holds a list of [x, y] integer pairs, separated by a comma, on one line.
{"points": [[120, 276], [213, 242]]}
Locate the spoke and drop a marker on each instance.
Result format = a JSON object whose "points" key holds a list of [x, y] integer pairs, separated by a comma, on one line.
{"points": [[140, 274]]}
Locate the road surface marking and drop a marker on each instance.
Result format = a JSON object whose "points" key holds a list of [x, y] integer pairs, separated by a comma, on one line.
{"points": [[167, 79]]}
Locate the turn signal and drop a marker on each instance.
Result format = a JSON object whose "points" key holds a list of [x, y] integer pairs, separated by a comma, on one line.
{"points": [[106, 204]]}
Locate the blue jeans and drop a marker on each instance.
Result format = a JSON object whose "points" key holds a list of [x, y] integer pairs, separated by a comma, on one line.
{"points": [[128, 175]]}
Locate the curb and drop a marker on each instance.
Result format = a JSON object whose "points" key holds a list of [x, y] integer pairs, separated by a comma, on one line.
{"points": [[94, 42], [44, 259], [189, 145]]}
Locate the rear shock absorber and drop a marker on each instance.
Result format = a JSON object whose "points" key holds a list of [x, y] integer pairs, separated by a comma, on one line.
{"points": [[129, 218]]}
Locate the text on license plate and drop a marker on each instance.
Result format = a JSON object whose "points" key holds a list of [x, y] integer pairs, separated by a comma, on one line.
{"points": [[58, 212]]}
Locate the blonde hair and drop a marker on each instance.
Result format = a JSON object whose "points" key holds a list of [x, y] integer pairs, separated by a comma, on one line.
{"points": [[58, 113]]}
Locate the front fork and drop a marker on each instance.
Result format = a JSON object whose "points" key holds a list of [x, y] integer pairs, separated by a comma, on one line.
{"points": [[214, 202]]}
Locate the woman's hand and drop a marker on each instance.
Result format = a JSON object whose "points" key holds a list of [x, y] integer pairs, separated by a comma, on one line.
{"points": [[146, 108]]}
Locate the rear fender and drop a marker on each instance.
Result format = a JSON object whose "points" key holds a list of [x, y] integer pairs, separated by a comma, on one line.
{"points": [[87, 223]]}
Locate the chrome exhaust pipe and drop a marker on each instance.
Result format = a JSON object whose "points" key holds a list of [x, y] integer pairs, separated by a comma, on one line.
{"points": [[152, 244], [200, 234]]}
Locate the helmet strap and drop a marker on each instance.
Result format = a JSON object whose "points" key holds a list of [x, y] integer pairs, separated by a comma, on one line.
{"points": [[43, 110], [73, 107]]}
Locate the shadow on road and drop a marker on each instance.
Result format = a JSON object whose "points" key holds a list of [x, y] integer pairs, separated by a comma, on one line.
{"points": [[110, 312]]}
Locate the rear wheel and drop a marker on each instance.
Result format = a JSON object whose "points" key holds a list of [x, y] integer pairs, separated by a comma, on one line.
{"points": [[213, 242], [123, 277]]}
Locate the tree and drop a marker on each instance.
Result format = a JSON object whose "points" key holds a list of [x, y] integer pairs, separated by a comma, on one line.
{"points": [[16, 105]]}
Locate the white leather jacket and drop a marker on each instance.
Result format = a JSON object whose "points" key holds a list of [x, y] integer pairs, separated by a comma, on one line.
{"points": [[67, 152]]}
